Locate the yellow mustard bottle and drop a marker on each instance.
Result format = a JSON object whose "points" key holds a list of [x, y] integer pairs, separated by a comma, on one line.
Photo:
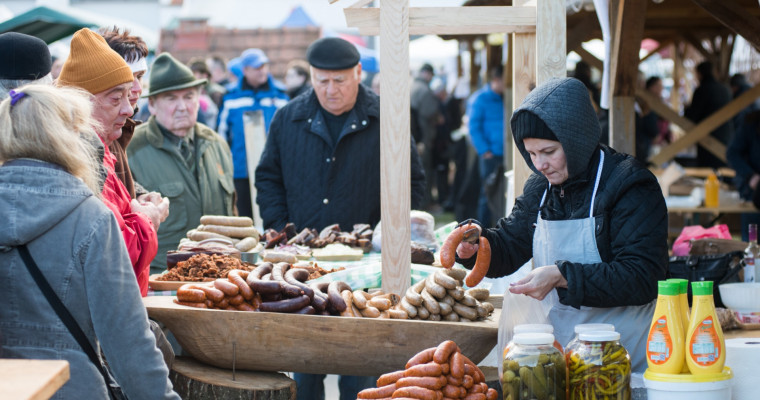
{"points": [[705, 345], [683, 299], [665, 343], [712, 190]]}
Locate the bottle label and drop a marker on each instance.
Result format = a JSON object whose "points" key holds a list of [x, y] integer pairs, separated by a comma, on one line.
{"points": [[704, 347], [659, 344], [749, 269]]}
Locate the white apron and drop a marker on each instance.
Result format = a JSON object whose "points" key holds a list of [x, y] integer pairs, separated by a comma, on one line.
{"points": [[575, 241]]}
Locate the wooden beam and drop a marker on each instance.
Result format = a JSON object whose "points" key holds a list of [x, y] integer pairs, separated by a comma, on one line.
{"points": [[626, 43], [662, 109], [589, 58], [734, 17], [581, 32], [709, 124], [360, 3], [656, 50], [698, 45], [450, 20], [714, 146], [524, 80], [551, 40], [395, 180]]}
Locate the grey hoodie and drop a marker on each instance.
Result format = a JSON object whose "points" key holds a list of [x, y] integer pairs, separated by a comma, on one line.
{"points": [[76, 242]]}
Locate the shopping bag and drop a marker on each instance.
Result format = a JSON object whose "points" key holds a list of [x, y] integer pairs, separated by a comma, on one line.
{"points": [[519, 309], [683, 242]]}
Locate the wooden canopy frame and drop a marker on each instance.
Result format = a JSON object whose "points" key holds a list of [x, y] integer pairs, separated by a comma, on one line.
{"points": [[539, 48]]}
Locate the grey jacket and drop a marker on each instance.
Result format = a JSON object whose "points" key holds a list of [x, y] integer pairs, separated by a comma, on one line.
{"points": [[77, 244]]}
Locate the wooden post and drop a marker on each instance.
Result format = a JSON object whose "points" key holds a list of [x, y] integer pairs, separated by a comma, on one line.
{"points": [[395, 180], [255, 139]]}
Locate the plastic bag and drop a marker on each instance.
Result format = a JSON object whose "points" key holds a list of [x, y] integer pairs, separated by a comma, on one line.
{"points": [[422, 226], [519, 309], [683, 243]]}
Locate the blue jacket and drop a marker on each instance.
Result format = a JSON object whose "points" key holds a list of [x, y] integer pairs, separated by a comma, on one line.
{"points": [[305, 179], [486, 121], [238, 102], [75, 240]]}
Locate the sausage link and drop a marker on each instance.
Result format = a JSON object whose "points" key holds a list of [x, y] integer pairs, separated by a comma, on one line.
{"points": [[370, 312], [457, 365], [189, 304], [390, 377], [380, 392], [212, 293], [380, 303], [278, 275], [190, 295], [236, 300], [434, 288], [444, 280], [492, 394], [286, 305], [449, 247], [319, 301], [398, 314], [481, 264], [468, 382], [444, 351], [308, 310], [245, 307], [423, 357], [296, 277], [410, 309], [229, 288], [430, 302], [226, 220], [428, 382], [333, 295], [348, 297], [415, 392], [413, 297], [427, 369], [236, 276], [475, 396], [456, 273], [360, 299]]}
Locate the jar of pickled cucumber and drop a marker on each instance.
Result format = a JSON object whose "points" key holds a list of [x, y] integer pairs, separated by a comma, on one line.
{"points": [[580, 328], [599, 367], [533, 369]]}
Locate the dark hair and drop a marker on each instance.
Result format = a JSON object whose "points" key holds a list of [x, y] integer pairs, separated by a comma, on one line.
{"points": [[130, 48], [738, 80], [200, 66], [705, 69], [652, 81], [300, 66], [219, 61], [497, 72]]}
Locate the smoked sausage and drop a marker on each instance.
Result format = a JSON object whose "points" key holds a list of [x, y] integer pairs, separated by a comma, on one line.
{"points": [[482, 262], [449, 248]]}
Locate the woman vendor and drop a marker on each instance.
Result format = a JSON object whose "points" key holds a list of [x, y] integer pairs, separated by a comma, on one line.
{"points": [[593, 220]]}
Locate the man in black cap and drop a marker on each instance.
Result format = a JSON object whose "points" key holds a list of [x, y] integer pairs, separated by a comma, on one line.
{"points": [[25, 59], [321, 164]]}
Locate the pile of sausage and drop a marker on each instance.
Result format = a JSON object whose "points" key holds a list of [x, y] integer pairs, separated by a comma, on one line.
{"points": [[269, 287], [437, 373], [440, 297], [238, 230], [372, 305]]}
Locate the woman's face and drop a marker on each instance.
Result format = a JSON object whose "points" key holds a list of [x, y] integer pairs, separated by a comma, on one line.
{"points": [[548, 157]]}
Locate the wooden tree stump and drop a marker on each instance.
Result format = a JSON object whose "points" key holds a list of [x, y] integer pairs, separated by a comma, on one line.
{"points": [[195, 381]]}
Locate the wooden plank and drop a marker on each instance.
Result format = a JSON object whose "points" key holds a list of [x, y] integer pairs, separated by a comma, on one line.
{"points": [[656, 50], [589, 58], [581, 32], [551, 36], [662, 109], [623, 124], [735, 18], [360, 3], [255, 136], [524, 80], [714, 146], [709, 124], [32, 379], [450, 20], [395, 191], [698, 45]]}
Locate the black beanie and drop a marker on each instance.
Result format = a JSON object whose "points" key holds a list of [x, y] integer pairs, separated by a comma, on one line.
{"points": [[23, 57], [529, 125]]}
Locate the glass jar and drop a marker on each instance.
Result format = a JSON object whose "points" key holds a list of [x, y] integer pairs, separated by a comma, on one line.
{"points": [[533, 328], [599, 367], [580, 328], [533, 368]]}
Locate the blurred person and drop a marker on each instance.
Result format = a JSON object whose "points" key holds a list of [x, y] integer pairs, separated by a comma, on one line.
{"points": [[709, 97], [218, 70], [486, 128], [297, 78], [174, 154], [426, 109], [208, 111], [234, 75], [26, 59], [76, 243], [96, 68], [211, 88], [55, 69], [321, 165], [442, 143], [651, 129], [256, 91], [376, 84], [739, 85]]}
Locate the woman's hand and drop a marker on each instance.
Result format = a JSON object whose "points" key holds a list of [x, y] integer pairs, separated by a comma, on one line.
{"points": [[466, 250], [539, 282]]}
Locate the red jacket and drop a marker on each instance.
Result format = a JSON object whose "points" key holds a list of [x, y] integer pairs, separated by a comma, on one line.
{"points": [[139, 233]]}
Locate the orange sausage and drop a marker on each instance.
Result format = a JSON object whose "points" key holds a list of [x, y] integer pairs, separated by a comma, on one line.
{"points": [[377, 393], [457, 365], [223, 303], [468, 382], [443, 351], [492, 394], [454, 381], [415, 393], [196, 305], [428, 382], [475, 396], [429, 369], [245, 307], [445, 368], [229, 288], [452, 391], [425, 356], [481, 264], [190, 295], [236, 300], [236, 278], [390, 377], [449, 248], [212, 294], [469, 369]]}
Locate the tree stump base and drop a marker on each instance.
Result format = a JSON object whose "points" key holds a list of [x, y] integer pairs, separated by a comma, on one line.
{"points": [[195, 381]]}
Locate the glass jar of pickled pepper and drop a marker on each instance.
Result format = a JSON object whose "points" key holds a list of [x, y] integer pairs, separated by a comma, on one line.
{"points": [[533, 369], [599, 367]]}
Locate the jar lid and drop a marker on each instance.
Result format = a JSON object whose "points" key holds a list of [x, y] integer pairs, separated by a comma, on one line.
{"points": [[599, 336], [593, 327], [533, 338], [534, 328]]}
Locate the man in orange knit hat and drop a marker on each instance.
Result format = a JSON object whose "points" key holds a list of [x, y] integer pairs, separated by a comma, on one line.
{"points": [[94, 67]]}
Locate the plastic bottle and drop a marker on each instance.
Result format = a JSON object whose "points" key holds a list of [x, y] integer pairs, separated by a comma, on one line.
{"points": [[683, 299], [751, 254], [705, 344], [534, 368], [712, 191], [665, 351]]}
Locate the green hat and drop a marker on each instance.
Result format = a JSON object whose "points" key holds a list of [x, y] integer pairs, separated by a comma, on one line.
{"points": [[167, 74]]}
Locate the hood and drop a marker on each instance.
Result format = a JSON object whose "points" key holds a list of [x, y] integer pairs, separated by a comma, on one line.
{"points": [[34, 197], [564, 105]]}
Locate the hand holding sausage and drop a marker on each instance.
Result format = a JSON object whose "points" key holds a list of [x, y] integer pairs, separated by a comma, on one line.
{"points": [[539, 282]]}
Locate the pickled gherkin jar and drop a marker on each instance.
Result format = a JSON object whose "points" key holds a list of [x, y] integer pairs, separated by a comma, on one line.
{"points": [[534, 369], [599, 367]]}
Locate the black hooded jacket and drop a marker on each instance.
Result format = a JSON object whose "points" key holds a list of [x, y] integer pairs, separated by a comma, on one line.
{"points": [[630, 212]]}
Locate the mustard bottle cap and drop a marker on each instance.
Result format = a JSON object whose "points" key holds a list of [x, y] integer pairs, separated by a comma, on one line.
{"points": [[683, 284], [668, 288], [703, 288]]}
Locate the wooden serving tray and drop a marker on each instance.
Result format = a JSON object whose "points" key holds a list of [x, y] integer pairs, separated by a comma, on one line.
{"points": [[263, 341]]}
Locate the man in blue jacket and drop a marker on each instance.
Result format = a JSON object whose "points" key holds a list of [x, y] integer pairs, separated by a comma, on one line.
{"points": [[257, 90]]}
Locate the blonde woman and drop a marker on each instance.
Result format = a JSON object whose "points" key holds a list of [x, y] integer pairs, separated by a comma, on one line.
{"points": [[47, 180]]}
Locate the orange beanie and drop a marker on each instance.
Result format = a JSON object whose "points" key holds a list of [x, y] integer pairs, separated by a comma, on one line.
{"points": [[92, 65]]}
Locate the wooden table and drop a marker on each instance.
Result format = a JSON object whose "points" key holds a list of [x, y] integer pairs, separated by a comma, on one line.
{"points": [[734, 208], [31, 379], [741, 333]]}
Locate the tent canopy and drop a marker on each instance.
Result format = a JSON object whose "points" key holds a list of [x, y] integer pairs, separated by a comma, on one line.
{"points": [[45, 23]]}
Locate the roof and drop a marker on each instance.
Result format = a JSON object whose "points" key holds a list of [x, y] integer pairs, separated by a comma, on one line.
{"points": [[45, 23]]}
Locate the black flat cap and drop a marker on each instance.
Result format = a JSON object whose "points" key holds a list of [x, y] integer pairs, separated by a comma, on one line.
{"points": [[24, 57], [332, 53]]}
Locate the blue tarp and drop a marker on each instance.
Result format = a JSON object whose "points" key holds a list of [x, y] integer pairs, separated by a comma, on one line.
{"points": [[298, 19]]}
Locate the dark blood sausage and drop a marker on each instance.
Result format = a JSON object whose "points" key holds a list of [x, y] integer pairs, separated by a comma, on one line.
{"points": [[319, 301], [258, 284], [481, 264], [449, 247], [278, 275], [306, 310], [333, 294], [287, 305], [296, 277]]}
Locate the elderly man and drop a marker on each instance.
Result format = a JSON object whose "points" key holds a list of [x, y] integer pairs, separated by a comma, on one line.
{"points": [[256, 90], [25, 59], [321, 163], [94, 67], [178, 157]]}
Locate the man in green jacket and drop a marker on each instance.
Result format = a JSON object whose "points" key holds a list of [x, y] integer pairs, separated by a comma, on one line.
{"points": [[183, 160]]}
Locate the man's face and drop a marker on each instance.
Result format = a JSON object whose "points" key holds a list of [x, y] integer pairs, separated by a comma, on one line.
{"points": [[256, 76], [336, 90], [136, 90], [111, 110], [176, 110]]}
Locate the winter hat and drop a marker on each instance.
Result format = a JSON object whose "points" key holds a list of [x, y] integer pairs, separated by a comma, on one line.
{"points": [[528, 125], [24, 57], [167, 74], [92, 65], [332, 53], [253, 58]]}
